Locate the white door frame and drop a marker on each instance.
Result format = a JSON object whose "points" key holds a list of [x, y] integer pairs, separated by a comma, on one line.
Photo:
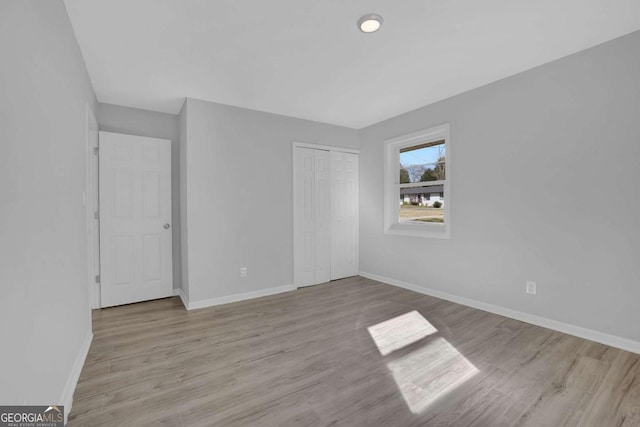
{"points": [[90, 201], [298, 144], [322, 147]]}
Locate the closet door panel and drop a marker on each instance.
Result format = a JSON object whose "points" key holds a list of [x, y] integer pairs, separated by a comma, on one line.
{"points": [[326, 238], [344, 215], [323, 216], [304, 258]]}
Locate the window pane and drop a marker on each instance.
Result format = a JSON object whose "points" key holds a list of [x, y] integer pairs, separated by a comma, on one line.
{"points": [[423, 162], [422, 204]]}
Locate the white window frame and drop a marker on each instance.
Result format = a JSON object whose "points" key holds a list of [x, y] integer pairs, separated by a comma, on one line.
{"points": [[392, 149]]}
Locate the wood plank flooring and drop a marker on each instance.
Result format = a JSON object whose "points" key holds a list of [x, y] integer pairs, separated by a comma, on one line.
{"points": [[349, 353]]}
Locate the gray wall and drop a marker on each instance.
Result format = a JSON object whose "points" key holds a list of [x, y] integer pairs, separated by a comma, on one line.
{"points": [[44, 310], [545, 188], [240, 196], [134, 121]]}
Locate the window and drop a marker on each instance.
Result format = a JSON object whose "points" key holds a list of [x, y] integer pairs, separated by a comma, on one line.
{"points": [[418, 187]]}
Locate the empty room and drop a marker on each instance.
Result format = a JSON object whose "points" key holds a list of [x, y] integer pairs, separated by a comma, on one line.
{"points": [[319, 213]]}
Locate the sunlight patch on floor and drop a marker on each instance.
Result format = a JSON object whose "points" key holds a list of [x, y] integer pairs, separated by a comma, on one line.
{"points": [[430, 373], [401, 331], [427, 373]]}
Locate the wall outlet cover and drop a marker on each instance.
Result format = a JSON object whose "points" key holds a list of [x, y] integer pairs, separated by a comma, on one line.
{"points": [[531, 288]]}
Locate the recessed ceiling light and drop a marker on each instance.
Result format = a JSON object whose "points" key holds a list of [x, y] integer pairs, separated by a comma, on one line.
{"points": [[370, 23]]}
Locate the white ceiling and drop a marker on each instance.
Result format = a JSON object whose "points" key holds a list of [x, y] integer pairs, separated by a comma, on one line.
{"points": [[307, 59]]}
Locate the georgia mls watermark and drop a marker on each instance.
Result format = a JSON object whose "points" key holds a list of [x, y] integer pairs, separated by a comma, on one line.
{"points": [[32, 416]]}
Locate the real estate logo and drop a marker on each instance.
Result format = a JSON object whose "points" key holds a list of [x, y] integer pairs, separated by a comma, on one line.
{"points": [[32, 416]]}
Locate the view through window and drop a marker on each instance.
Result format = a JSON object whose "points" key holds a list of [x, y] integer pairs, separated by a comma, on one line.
{"points": [[422, 182]]}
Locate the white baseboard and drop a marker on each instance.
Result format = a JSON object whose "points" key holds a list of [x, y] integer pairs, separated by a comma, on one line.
{"points": [[578, 331], [66, 398], [193, 305], [184, 299], [176, 291]]}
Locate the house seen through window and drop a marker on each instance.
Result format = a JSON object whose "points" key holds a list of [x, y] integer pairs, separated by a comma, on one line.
{"points": [[424, 164]]}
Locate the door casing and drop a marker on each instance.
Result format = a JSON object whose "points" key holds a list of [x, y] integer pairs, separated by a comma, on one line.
{"points": [[90, 199]]}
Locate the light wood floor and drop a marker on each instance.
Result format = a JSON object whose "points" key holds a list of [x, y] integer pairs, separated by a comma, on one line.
{"points": [[353, 352]]}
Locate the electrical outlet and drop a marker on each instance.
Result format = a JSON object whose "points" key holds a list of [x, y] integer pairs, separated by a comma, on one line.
{"points": [[531, 287], [243, 271]]}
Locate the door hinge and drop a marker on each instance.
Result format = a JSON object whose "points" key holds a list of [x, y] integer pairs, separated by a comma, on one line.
{"points": [[95, 150], [97, 278], [96, 215]]}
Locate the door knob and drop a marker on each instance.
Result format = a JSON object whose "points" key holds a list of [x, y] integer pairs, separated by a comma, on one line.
{"points": [[167, 226]]}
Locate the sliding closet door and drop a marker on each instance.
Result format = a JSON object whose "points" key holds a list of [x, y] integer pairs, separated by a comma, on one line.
{"points": [[312, 217], [344, 215], [304, 254], [323, 216]]}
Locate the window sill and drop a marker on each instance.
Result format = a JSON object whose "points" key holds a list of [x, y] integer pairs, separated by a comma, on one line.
{"points": [[433, 231]]}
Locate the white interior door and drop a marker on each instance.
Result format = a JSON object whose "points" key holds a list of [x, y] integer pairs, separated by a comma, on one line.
{"points": [[135, 219], [344, 215], [312, 217]]}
